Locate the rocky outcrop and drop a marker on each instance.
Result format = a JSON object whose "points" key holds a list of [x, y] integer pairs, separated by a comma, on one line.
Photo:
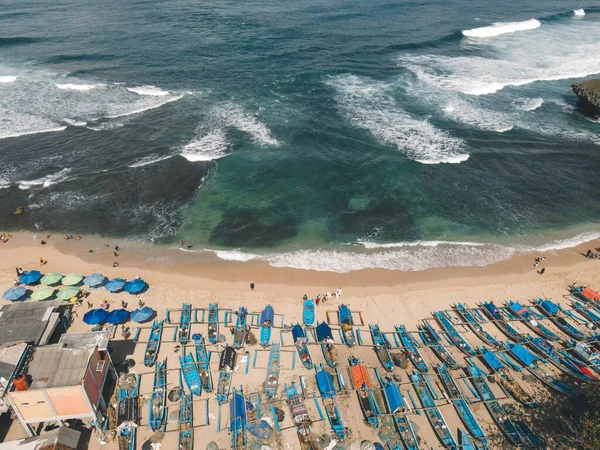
{"points": [[588, 92]]}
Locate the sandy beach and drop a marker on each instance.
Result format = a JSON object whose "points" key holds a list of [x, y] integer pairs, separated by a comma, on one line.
{"points": [[385, 297]]}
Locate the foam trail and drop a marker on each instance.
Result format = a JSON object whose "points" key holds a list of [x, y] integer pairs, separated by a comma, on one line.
{"points": [[149, 160], [484, 119], [46, 181], [502, 28], [569, 242], [78, 87], [145, 108], [212, 145], [8, 79], [148, 90], [74, 123], [528, 104], [232, 115], [579, 12], [27, 133], [235, 255], [4, 183]]}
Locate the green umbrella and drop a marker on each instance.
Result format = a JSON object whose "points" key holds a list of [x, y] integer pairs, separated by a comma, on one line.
{"points": [[43, 293], [68, 292], [72, 278], [51, 278]]}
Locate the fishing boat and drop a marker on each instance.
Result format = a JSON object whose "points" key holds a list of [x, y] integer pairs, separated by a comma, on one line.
{"points": [[273, 371], [185, 323], [299, 414], [397, 409], [432, 339], [203, 363], [190, 374], [226, 366], [382, 348], [587, 312], [240, 329], [454, 335], [587, 294], [128, 415], [584, 352], [551, 311], [529, 436], [153, 344], [266, 325], [434, 415], [301, 344], [347, 324], [308, 312], [496, 315], [213, 322], [156, 408], [328, 396], [325, 337], [467, 316], [531, 320], [561, 359], [411, 349], [366, 396], [185, 426], [493, 406], [465, 441], [461, 405], [238, 420]]}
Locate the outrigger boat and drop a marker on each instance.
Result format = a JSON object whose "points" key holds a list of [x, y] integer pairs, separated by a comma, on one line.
{"points": [[203, 363], [185, 323], [328, 396], [213, 323], [587, 294], [190, 374], [530, 320], [240, 330], [347, 324], [308, 312], [325, 337], [382, 348], [496, 315], [587, 312], [468, 317], [153, 343], [302, 346], [584, 352], [366, 396], [273, 371], [226, 366], [460, 404], [454, 335], [434, 415], [562, 360], [551, 311], [299, 414], [531, 439], [185, 426], [397, 409], [433, 340], [156, 408], [465, 441], [266, 320], [128, 416], [411, 349], [238, 420]]}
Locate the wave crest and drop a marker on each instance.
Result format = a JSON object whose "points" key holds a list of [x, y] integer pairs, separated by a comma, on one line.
{"points": [[502, 28]]}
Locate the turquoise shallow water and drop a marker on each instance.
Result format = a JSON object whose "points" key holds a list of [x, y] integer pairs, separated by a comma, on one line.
{"points": [[322, 135]]}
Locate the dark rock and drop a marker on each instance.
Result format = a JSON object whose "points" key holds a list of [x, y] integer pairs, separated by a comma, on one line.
{"points": [[588, 92]]}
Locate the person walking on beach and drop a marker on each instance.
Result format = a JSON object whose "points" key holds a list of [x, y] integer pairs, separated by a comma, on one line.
{"points": [[252, 285], [318, 299]]}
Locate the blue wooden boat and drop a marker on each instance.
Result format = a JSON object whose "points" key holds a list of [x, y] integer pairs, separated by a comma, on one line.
{"points": [[434, 415], [347, 324], [185, 323], [156, 408], [298, 412], [366, 396], [267, 316], [308, 312], [203, 363], [496, 315], [461, 406], [325, 337], [128, 416], [493, 406], [561, 359], [213, 322], [529, 436], [238, 420], [468, 317], [226, 367], [587, 312], [328, 397], [273, 371], [190, 374], [454, 335], [465, 441], [397, 409], [584, 352], [153, 345], [587, 294], [551, 311], [185, 426], [240, 330], [411, 349], [382, 348], [531, 321], [432, 339], [302, 346]]}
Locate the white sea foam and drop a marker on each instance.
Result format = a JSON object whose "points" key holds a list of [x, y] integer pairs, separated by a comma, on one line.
{"points": [[145, 107], [148, 90], [235, 255], [16, 133], [8, 78], [502, 28], [374, 245], [153, 159], [75, 123], [233, 115], [212, 145], [366, 104], [579, 12], [46, 181], [528, 104], [482, 118], [78, 87], [4, 183], [568, 242]]}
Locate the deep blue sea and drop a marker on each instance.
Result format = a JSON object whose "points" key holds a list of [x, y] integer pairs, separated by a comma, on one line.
{"points": [[332, 135]]}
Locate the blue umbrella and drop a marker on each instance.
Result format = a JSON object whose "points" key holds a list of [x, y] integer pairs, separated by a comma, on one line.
{"points": [[142, 314], [117, 316], [15, 293], [95, 316], [95, 279], [30, 277], [115, 285], [135, 286]]}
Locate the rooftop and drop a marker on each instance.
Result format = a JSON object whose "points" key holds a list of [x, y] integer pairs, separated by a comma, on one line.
{"points": [[98, 339], [27, 321], [63, 438]]}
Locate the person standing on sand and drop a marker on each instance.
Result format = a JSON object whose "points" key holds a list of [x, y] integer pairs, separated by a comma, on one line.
{"points": [[181, 243], [252, 285]]}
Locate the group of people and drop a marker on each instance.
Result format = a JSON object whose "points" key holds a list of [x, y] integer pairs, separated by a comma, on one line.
{"points": [[590, 254], [537, 263], [5, 237], [326, 296]]}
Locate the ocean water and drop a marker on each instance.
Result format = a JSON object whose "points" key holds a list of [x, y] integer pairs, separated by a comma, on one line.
{"points": [[318, 135]]}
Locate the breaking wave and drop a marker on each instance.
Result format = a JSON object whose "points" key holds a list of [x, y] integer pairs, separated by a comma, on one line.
{"points": [[579, 12], [8, 79], [46, 181], [149, 160], [148, 90], [528, 104], [502, 28], [78, 87], [212, 145]]}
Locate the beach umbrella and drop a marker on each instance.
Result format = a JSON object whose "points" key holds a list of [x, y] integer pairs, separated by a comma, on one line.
{"points": [[51, 278], [117, 316], [43, 293], [30, 277], [95, 279], [135, 286], [142, 314], [67, 292], [15, 293], [114, 285], [95, 316], [72, 278]]}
